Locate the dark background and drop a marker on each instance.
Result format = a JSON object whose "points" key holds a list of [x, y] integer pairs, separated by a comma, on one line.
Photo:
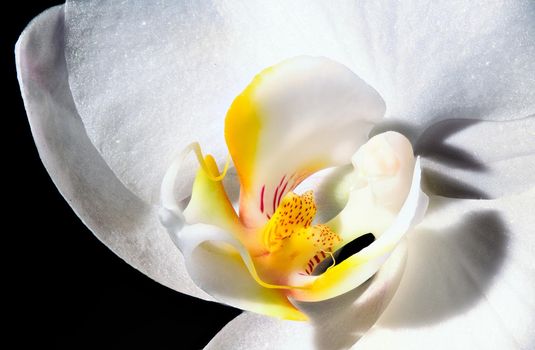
{"points": [[65, 289]]}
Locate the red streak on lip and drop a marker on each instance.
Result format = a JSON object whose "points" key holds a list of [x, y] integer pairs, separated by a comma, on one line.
{"points": [[280, 183], [282, 192], [275, 195], [275, 199], [262, 198]]}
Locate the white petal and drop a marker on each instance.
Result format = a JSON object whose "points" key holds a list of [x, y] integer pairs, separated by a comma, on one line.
{"points": [[385, 171], [151, 77], [335, 324], [467, 159], [250, 331], [469, 282], [125, 224], [454, 59]]}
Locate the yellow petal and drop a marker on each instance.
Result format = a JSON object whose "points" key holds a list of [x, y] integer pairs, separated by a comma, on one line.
{"points": [[209, 203]]}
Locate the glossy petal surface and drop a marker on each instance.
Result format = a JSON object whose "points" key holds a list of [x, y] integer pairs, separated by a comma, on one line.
{"points": [[119, 219], [456, 59], [470, 273]]}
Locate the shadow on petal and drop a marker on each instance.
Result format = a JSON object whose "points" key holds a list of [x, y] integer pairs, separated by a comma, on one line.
{"points": [[430, 143], [340, 322], [410, 131], [232, 185], [449, 270], [443, 185], [124, 223]]}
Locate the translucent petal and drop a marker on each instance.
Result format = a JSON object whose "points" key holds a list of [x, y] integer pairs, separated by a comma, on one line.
{"points": [[149, 77], [469, 281], [471, 159], [221, 266], [209, 203], [334, 324], [251, 331], [455, 59], [384, 172], [119, 219]]}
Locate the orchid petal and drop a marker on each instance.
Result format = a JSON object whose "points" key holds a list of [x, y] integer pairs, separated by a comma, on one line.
{"points": [[471, 159], [331, 188], [295, 118], [119, 219], [164, 74], [358, 268], [384, 173], [170, 69], [221, 266], [334, 324], [469, 281], [455, 59], [209, 203], [209, 236], [251, 331]]}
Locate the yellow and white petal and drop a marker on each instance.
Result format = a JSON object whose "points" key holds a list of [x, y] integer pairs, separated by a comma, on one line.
{"points": [[221, 266], [295, 118], [334, 324], [209, 202], [471, 274], [355, 270]]}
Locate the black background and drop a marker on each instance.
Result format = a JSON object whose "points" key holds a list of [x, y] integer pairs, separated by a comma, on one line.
{"points": [[65, 289]]}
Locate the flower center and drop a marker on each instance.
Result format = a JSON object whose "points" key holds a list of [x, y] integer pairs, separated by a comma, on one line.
{"points": [[294, 245]]}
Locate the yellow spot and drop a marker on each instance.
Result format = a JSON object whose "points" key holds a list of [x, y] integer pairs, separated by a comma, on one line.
{"points": [[293, 243], [294, 214]]}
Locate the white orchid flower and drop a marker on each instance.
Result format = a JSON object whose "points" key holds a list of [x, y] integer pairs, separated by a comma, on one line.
{"points": [[317, 104], [294, 119]]}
